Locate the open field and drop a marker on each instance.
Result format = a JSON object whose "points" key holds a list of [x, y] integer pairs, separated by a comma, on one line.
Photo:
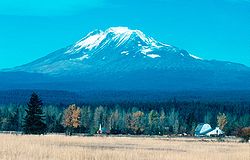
{"points": [[59, 147]]}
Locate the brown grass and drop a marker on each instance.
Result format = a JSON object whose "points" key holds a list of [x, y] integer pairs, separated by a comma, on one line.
{"points": [[58, 147]]}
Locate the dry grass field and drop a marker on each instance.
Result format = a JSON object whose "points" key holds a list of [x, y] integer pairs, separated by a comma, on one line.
{"points": [[58, 147]]}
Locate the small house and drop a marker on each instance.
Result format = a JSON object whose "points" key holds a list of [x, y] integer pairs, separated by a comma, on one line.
{"points": [[102, 130]]}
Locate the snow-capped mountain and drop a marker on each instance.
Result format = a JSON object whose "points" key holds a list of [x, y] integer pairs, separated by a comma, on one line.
{"points": [[122, 58], [115, 45]]}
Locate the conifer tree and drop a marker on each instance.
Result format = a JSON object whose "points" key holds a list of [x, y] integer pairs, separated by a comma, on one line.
{"points": [[162, 122], [191, 123], [99, 117], [86, 119], [114, 120], [34, 119], [173, 120], [14, 121], [153, 120]]}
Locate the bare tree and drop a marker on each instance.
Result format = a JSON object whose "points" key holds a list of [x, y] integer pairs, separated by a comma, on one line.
{"points": [[221, 120]]}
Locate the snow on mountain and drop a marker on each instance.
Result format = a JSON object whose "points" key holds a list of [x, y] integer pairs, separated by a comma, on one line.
{"points": [[118, 38], [195, 57]]}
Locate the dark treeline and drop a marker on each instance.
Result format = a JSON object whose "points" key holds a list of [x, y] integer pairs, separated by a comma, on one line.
{"points": [[101, 97], [171, 117]]}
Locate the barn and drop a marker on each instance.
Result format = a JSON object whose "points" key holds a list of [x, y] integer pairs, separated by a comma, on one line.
{"points": [[204, 129]]}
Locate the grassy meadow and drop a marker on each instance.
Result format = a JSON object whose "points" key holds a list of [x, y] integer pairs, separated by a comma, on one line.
{"points": [[59, 147]]}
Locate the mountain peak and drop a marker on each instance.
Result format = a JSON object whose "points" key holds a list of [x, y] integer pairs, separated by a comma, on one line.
{"points": [[117, 38], [127, 31], [119, 30]]}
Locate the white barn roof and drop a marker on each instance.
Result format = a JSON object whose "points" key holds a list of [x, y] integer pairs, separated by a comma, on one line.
{"points": [[216, 132]]}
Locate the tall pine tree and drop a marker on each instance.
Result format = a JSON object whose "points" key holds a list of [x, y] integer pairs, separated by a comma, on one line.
{"points": [[34, 119]]}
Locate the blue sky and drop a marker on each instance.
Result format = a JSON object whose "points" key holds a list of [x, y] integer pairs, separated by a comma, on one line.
{"points": [[211, 29]]}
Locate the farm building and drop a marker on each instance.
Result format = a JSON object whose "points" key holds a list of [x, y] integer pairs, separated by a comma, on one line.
{"points": [[102, 130], [204, 129], [215, 132]]}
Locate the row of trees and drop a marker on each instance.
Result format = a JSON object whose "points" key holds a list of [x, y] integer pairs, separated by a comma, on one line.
{"points": [[155, 119]]}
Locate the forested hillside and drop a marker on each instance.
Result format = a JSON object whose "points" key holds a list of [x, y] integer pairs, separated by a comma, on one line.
{"points": [[154, 118]]}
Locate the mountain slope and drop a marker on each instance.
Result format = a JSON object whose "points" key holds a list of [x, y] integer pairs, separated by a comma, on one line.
{"points": [[124, 59]]}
